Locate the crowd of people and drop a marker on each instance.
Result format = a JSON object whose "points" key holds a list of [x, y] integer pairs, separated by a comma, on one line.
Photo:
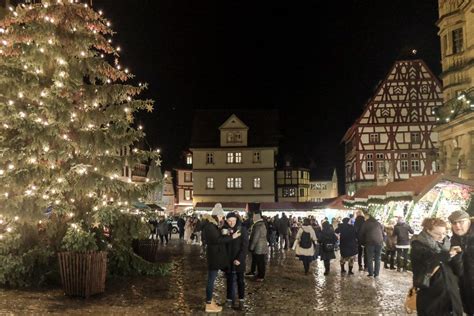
{"points": [[443, 267]]}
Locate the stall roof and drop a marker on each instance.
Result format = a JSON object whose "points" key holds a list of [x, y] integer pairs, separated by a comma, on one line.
{"points": [[225, 205], [288, 206], [337, 203], [415, 186]]}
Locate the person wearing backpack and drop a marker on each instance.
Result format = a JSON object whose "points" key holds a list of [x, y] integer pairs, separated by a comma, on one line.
{"points": [[304, 244]]}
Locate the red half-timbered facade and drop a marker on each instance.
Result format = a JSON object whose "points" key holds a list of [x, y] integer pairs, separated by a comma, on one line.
{"points": [[393, 139]]}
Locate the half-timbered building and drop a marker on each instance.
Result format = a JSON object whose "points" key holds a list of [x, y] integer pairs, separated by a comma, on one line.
{"points": [[393, 139]]}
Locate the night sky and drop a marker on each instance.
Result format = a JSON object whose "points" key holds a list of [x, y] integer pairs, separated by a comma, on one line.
{"points": [[316, 61]]}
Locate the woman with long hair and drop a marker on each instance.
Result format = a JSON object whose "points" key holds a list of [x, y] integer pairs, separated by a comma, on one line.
{"points": [[432, 261]]}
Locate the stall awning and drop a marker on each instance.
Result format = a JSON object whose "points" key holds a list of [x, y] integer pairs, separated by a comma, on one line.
{"points": [[227, 206]]}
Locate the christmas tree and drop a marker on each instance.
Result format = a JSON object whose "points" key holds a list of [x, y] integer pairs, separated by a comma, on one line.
{"points": [[66, 111]]}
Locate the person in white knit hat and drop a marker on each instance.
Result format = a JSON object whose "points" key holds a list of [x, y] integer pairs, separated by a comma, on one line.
{"points": [[216, 252]]}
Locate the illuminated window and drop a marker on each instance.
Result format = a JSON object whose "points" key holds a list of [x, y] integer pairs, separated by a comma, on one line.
{"points": [[289, 192], [238, 183], [230, 157], [189, 159], [238, 157], [210, 183], [188, 195], [257, 183]]}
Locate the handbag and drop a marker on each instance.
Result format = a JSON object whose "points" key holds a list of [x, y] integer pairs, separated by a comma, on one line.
{"points": [[328, 247], [410, 301]]}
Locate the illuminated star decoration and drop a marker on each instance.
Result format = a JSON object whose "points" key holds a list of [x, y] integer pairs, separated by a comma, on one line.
{"points": [[149, 107]]}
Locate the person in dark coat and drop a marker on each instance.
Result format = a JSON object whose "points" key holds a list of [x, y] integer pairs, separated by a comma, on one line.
{"points": [[216, 253], [390, 247], [463, 236], [163, 230], [327, 239], [431, 256], [361, 257], [401, 231], [181, 223], [283, 230], [372, 235], [258, 245], [237, 254], [348, 244]]}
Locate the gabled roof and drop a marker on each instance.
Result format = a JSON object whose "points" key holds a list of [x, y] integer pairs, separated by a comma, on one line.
{"points": [[263, 127], [380, 86], [415, 187]]}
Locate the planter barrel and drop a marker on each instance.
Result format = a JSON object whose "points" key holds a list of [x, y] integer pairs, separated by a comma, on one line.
{"points": [[83, 273], [147, 249]]}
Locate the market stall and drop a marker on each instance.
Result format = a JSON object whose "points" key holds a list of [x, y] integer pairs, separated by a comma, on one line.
{"points": [[414, 199]]}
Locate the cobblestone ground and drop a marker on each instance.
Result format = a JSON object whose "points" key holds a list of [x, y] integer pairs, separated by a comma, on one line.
{"points": [[286, 290]]}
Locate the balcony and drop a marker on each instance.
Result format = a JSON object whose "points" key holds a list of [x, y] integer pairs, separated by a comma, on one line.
{"points": [[455, 107]]}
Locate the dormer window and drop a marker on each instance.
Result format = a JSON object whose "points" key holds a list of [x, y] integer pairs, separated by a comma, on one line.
{"points": [[234, 137]]}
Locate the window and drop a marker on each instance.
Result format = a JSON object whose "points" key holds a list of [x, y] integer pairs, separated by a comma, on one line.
{"points": [[370, 166], [188, 177], [209, 183], [380, 167], [288, 174], [415, 155], [238, 183], [188, 195], [415, 138], [289, 192], [324, 186], [301, 192], [457, 41], [379, 156], [415, 165], [234, 137], [238, 157], [257, 183], [189, 159], [230, 157], [404, 155], [234, 183], [210, 158], [374, 138], [230, 137], [370, 156], [404, 166], [256, 156]]}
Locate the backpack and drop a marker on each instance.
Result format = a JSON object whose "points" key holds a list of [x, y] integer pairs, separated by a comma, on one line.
{"points": [[305, 240]]}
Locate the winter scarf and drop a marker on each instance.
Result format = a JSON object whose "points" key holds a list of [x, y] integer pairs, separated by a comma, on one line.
{"points": [[427, 240]]}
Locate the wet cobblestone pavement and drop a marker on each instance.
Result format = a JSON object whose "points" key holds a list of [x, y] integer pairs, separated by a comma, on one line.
{"points": [[286, 290]]}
